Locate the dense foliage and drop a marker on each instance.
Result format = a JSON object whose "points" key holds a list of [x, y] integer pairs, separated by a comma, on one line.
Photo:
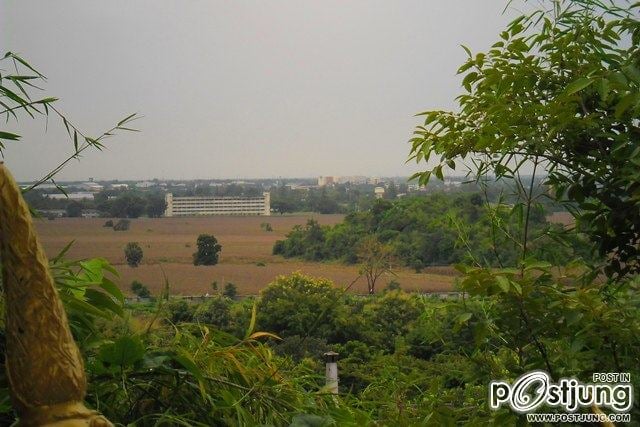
{"points": [[559, 91], [438, 229], [420, 360], [208, 250]]}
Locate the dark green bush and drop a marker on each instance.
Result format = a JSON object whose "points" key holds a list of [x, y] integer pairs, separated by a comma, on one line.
{"points": [[179, 310], [133, 254], [208, 250], [214, 311], [230, 290], [140, 290], [122, 225]]}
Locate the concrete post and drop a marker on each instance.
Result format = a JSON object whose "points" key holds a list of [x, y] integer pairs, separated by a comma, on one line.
{"points": [[331, 372], [169, 199]]}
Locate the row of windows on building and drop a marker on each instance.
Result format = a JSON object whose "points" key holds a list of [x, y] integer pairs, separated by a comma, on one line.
{"points": [[179, 206]]}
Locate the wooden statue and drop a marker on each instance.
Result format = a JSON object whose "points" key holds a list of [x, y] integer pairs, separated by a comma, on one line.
{"points": [[44, 366]]}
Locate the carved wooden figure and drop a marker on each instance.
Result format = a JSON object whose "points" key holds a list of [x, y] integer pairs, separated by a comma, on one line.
{"points": [[44, 366]]}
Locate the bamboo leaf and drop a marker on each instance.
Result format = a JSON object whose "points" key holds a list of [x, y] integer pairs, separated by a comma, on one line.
{"points": [[257, 335], [9, 136], [578, 85]]}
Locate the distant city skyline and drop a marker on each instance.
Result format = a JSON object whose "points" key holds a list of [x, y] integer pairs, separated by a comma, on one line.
{"points": [[246, 179], [241, 89]]}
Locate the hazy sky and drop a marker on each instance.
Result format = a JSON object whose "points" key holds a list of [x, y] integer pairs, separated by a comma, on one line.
{"points": [[241, 88]]}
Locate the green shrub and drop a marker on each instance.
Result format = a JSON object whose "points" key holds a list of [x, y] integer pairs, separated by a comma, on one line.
{"points": [[230, 290], [390, 317], [133, 254], [299, 305], [215, 311], [122, 225], [179, 311], [140, 290], [393, 285], [278, 247]]}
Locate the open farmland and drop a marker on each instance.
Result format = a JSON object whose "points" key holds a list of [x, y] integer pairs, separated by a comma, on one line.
{"points": [[168, 245]]}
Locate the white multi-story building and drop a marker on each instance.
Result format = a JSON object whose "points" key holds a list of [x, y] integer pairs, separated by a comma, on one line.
{"points": [[358, 180], [70, 196], [217, 205], [146, 184], [92, 186]]}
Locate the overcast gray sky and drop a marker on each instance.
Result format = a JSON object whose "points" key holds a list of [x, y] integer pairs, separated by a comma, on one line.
{"points": [[234, 89]]}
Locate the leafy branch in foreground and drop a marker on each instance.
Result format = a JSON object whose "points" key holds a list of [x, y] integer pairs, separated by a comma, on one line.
{"points": [[560, 90], [16, 97], [558, 93]]}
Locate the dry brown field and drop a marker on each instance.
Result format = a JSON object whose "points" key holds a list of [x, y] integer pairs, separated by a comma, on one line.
{"points": [[168, 245], [564, 218]]}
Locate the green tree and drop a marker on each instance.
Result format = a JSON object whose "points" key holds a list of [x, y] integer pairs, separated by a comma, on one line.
{"points": [[208, 250], [178, 311], [127, 205], [140, 290], [74, 209], [133, 254], [560, 91], [283, 206], [156, 206], [215, 311], [299, 305], [391, 192], [391, 317], [230, 290], [375, 260]]}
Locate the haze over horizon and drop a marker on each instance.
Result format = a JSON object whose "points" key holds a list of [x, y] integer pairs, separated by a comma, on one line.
{"points": [[241, 89]]}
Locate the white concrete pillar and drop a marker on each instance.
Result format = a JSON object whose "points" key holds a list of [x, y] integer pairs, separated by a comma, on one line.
{"points": [[169, 210], [331, 372]]}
